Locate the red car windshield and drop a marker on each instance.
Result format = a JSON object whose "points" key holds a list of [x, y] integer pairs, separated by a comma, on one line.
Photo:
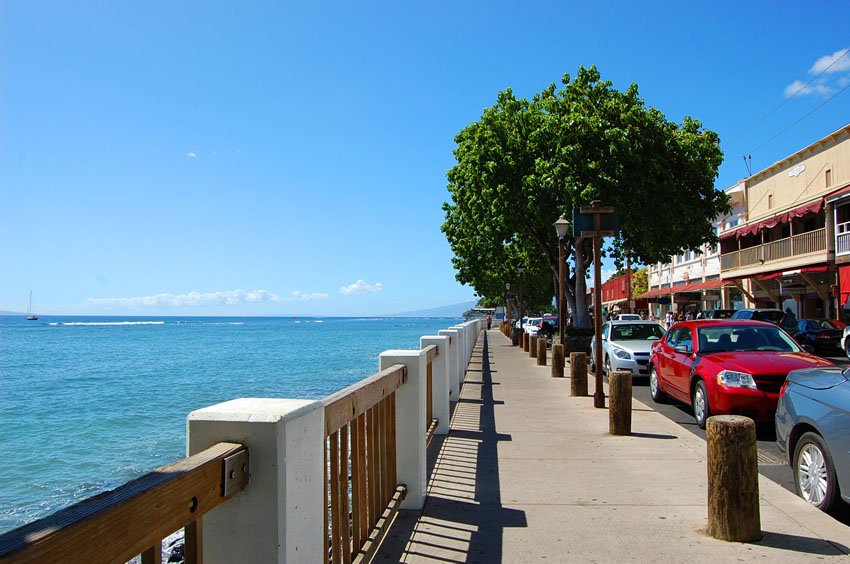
{"points": [[716, 338]]}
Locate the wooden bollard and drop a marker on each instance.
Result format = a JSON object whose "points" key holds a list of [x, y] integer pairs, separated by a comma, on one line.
{"points": [[525, 345], [557, 360], [541, 351], [733, 479], [620, 403], [532, 346], [578, 374]]}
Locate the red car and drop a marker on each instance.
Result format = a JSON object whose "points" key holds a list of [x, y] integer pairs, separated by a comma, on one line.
{"points": [[725, 366]]}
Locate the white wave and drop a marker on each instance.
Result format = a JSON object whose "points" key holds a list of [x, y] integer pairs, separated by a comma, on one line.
{"points": [[107, 323]]}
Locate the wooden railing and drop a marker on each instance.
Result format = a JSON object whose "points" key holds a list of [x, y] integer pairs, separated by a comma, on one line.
{"points": [[431, 353], [804, 243], [133, 519], [361, 465]]}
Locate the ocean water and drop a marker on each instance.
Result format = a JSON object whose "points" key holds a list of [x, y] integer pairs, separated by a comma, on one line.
{"points": [[88, 403]]}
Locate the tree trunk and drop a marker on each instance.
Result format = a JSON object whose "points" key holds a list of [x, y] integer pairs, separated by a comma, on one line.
{"points": [[733, 479], [580, 316]]}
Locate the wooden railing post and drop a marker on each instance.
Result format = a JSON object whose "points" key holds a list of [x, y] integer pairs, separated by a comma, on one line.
{"points": [[558, 360], [578, 374], [409, 431], [733, 479], [541, 351], [279, 517], [454, 362], [620, 403], [440, 379]]}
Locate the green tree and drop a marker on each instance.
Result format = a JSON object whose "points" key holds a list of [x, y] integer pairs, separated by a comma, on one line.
{"points": [[524, 163], [640, 282]]}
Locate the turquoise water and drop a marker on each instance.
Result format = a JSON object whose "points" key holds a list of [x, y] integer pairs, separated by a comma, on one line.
{"points": [[87, 403]]}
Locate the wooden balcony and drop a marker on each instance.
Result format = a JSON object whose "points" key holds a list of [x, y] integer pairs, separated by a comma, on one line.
{"points": [[779, 250]]}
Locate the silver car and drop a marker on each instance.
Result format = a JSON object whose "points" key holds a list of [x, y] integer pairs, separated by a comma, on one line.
{"points": [[625, 346], [813, 429]]}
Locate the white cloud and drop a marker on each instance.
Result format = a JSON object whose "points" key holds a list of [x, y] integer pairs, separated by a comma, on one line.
{"points": [[834, 68], [824, 62], [192, 299], [307, 296], [191, 154], [819, 87], [361, 287]]}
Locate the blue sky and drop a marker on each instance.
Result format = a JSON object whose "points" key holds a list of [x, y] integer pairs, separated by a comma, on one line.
{"points": [[280, 158]]}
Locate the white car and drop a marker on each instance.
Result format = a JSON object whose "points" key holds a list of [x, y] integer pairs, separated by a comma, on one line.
{"points": [[625, 346], [627, 317], [532, 325]]}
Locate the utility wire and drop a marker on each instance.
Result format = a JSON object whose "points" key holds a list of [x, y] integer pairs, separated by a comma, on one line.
{"points": [[819, 106], [803, 87]]}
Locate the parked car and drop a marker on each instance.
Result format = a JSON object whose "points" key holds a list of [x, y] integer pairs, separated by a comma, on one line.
{"points": [[627, 317], [820, 334], [718, 313], [845, 341], [838, 324], [626, 344], [726, 366], [532, 325], [763, 314], [812, 419]]}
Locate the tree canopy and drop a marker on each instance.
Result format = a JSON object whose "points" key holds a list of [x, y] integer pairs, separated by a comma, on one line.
{"points": [[524, 163]]}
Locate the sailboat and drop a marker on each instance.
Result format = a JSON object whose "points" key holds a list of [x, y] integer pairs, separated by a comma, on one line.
{"points": [[30, 316]]}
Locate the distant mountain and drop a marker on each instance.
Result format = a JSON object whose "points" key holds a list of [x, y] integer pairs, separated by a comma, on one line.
{"points": [[455, 310], [10, 312]]}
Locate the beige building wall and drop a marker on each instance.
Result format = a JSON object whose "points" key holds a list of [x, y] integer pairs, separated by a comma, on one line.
{"points": [[800, 178]]}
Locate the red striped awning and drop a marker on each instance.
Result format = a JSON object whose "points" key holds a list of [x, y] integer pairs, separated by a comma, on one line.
{"points": [[771, 222], [695, 287]]}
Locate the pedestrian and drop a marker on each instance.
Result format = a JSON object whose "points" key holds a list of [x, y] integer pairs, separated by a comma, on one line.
{"points": [[489, 322], [789, 321]]}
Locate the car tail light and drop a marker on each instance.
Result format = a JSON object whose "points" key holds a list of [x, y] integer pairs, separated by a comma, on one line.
{"points": [[782, 389]]}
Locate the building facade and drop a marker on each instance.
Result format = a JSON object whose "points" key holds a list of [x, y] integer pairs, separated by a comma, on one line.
{"points": [[786, 244]]}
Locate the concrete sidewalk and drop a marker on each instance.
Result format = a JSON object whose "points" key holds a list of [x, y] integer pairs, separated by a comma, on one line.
{"points": [[529, 473]]}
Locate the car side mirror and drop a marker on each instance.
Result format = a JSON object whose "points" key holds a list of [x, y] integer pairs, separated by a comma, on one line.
{"points": [[682, 349], [808, 348]]}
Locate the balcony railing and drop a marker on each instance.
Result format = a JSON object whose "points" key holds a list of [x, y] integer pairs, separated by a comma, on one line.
{"points": [[802, 244], [842, 238]]}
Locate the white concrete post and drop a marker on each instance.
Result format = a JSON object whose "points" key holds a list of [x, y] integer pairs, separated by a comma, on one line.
{"points": [[462, 353], [410, 424], [278, 517], [440, 381], [454, 362]]}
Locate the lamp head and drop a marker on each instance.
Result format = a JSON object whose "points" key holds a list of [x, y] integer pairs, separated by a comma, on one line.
{"points": [[561, 227]]}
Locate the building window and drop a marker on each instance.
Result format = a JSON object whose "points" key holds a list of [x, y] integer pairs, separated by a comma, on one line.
{"points": [[731, 222], [828, 176], [770, 201]]}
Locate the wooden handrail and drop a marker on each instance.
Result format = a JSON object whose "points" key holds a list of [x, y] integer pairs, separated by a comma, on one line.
{"points": [[431, 352], [133, 519], [346, 405]]}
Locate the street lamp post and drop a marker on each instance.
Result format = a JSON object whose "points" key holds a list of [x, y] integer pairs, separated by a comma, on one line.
{"points": [[561, 227]]}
